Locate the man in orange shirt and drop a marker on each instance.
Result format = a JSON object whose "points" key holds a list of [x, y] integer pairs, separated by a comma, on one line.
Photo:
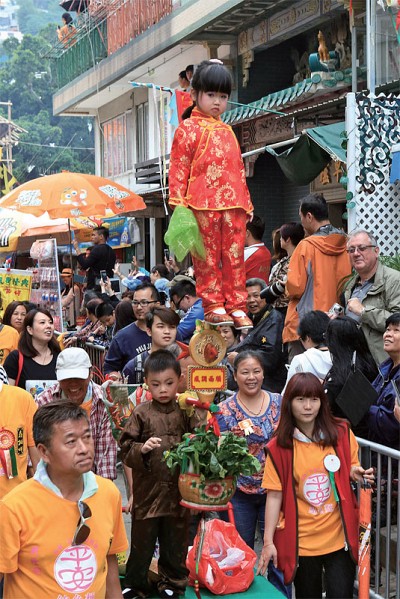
{"points": [[318, 266], [62, 529]]}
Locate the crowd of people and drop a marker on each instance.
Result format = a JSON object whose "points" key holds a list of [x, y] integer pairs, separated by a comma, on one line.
{"points": [[295, 333]]}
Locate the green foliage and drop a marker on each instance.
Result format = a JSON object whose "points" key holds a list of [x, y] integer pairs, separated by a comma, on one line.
{"points": [[212, 457], [25, 80], [33, 15], [391, 261]]}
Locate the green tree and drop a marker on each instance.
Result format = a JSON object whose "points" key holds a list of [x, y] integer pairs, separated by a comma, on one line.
{"points": [[33, 15], [25, 80]]}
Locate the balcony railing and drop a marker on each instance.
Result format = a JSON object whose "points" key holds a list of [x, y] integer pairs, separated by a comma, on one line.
{"points": [[83, 53], [105, 28]]}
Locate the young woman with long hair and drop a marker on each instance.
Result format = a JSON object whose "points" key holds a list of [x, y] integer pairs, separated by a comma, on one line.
{"points": [[311, 513], [33, 365]]}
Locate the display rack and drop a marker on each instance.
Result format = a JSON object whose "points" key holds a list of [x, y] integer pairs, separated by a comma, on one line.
{"points": [[46, 291]]}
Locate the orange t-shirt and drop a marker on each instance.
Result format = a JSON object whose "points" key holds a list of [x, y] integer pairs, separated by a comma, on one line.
{"points": [[320, 526], [9, 338], [17, 408], [37, 527]]}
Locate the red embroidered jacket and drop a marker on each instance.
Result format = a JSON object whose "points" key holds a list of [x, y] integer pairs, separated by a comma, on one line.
{"points": [[206, 167]]}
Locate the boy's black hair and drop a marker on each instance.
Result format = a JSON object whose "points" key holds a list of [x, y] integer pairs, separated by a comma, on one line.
{"points": [[104, 309], [166, 315], [161, 360]]}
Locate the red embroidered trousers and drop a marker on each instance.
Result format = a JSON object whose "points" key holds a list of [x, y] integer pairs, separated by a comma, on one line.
{"points": [[221, 277]]}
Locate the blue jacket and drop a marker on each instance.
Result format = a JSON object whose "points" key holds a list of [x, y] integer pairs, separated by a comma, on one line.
{"points": [[187, 325], [127, 343], [382, 425]]}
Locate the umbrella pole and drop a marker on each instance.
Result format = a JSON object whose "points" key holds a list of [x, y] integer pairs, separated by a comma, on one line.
{"points": [[72, 268]]}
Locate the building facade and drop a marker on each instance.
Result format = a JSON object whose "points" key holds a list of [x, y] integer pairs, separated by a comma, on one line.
{"points": [[126, 58]]}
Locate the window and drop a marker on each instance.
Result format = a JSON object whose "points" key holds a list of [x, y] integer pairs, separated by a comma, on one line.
{"points": [[142, 132], [117, 145]]}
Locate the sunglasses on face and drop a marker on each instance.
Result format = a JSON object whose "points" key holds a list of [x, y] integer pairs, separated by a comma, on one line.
{"points": [[82, 529]]}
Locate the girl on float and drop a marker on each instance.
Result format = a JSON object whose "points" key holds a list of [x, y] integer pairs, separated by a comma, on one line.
{"points": [[207, 175], [311, 514]]}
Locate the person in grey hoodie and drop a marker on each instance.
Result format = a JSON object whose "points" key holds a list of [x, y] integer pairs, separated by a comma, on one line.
{"points": [[316, 359]]}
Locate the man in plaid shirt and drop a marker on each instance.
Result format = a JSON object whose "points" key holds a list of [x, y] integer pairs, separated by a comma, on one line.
{"points": [[75, 384]]}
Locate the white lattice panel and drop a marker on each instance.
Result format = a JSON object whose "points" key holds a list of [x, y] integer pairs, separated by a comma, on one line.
{"points": [[377, 200]]}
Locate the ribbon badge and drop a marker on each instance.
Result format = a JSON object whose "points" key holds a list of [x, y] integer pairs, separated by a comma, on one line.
{"points": [[7, 453], [332, 464]]}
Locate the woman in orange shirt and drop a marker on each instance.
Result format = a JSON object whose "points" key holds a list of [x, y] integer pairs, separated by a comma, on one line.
{"points": [[311, 514]]}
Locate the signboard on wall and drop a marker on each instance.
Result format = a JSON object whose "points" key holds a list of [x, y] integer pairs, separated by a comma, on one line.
{"points": [[15, 285]]}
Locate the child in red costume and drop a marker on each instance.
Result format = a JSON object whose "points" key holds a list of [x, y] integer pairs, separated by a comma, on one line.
{"points": [[207, 175]]}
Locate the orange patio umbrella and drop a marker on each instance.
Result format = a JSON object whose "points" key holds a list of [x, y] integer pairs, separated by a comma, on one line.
{"points": [[71, 195]]}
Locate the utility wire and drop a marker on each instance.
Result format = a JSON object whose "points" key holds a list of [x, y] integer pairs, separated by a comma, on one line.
{"points": [[30, 143]]}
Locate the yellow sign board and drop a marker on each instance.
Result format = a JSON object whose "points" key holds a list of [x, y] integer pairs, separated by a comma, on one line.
{"points": [[203, 378], [15, 285]]}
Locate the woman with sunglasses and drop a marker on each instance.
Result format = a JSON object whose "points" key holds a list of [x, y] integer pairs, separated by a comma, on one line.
{"points": [[311, 515]]}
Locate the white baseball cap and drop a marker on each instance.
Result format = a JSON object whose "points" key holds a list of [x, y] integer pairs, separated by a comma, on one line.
{"points": [[73, 363]]}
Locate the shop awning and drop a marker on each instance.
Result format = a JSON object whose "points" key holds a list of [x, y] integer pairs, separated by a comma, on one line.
{"points": [[315, 148]]}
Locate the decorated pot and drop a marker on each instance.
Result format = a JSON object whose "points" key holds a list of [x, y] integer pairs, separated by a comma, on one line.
{"points": [[205, 494]]}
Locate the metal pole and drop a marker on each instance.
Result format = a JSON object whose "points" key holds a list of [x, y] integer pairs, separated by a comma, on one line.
{"points": [[351, 158], [9, 144], [354, 59], [371, 46], [278, 144]]}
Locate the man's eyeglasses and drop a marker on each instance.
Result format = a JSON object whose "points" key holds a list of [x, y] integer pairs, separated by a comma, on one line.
{"points": [[143, 303], [82, 529], [359, 248], [178, 303]]}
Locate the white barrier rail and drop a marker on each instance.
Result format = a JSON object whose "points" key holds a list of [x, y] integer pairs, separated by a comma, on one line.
{"points": [[385, 543]]}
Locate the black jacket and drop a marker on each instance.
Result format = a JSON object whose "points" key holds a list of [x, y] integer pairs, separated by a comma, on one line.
{"points": [[266, 337], [101, 257]]}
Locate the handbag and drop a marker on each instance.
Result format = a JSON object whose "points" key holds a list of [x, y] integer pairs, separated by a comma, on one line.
{"points": [[357, 395]]}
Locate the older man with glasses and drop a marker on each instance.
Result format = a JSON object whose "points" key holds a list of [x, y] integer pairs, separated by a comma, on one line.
{"points": [[61, 530], [133, 339], [373, 293]]}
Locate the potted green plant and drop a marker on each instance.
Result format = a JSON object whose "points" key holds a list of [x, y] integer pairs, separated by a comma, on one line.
{"points": [[209, 465]]}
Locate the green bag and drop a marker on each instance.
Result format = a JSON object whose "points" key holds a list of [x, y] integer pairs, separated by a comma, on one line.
{"points": [[183, 235]]}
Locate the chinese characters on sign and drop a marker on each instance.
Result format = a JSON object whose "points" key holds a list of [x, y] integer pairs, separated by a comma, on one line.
{"points": [[15, 285], [202, 378]]}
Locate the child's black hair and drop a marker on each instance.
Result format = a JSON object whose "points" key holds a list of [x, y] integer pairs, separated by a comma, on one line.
{"points": [[210, 76], [166, 315], [159, 361]]}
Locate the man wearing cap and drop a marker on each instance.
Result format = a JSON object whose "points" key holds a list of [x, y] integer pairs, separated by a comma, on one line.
{"points": [[75, 384]]}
